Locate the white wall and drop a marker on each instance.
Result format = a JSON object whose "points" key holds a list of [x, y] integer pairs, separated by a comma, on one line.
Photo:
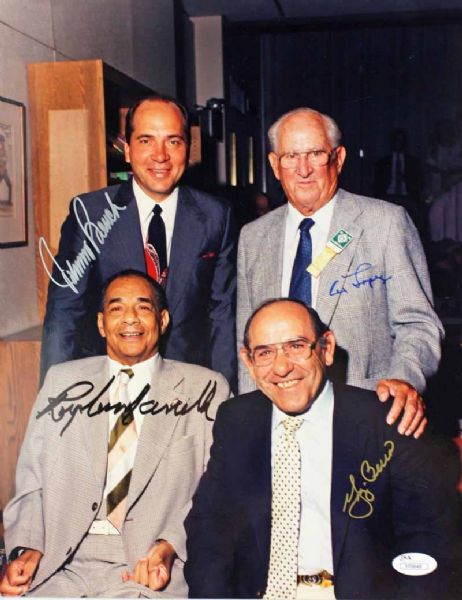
{"points": [[208, 39], [135, 36], [208, 52]]}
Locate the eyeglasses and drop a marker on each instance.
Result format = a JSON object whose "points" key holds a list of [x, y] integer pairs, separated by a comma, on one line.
{"points": [[316, 158], [297, 350]]}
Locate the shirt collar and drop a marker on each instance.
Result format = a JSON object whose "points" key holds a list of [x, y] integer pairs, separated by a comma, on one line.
{"points": [[146, 204], [321, 217], [317, 414], [146, 369]]}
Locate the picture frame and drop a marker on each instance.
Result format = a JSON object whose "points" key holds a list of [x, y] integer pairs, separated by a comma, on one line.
{"points": [[13, 191]]}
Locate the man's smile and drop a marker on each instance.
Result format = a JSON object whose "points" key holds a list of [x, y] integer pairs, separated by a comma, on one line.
{"points": [[287, 384], [131, 334]]}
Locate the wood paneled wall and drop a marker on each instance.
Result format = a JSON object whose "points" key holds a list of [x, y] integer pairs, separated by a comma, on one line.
{"points": [[19, 362]]}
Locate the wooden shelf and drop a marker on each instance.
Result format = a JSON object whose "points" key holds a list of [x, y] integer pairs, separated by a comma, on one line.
{"points": [[74, 111]]}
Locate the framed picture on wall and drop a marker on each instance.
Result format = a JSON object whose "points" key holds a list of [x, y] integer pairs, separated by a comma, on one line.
{"points": [[13, 200]]}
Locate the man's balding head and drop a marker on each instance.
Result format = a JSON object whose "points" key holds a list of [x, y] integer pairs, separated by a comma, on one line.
{"points": [[287, 351], [307, 158]]}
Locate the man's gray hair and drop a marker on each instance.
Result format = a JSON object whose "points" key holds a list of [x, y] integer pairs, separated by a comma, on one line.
{"points": [[334, 135]]}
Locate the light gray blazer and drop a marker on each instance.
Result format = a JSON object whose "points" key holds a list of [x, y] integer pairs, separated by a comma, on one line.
{"points": [[60, 478], [389, 329]]}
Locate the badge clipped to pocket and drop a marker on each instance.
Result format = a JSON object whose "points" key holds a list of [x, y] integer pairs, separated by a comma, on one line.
{"points": [[338, 242]]}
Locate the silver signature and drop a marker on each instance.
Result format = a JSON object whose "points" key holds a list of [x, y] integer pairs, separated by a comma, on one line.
{"points": [[95, 234]]}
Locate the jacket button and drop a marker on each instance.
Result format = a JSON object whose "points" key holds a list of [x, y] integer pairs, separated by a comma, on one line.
{"points": [[258, 594], [94, 506], [69, 551]]}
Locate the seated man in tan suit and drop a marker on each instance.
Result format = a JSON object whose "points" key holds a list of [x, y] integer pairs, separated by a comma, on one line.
{"points": [[113, 452]]}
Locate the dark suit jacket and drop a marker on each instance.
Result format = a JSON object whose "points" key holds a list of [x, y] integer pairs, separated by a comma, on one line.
{"points": [[412, 176], [201, 283], [415, 507]]}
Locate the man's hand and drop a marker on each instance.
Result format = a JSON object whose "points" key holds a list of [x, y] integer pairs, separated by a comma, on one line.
{"points": [[154, 569], [405, 396], [19, 573]]}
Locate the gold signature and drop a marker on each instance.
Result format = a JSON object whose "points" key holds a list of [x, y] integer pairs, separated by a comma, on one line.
{"points": [[359, 502]]}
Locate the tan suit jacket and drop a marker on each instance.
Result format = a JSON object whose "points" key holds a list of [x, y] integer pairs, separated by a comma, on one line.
{"points": [[60, 477]]}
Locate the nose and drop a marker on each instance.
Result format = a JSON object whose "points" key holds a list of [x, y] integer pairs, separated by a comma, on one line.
{"points": [[131, 316], [159, 152], [303, 165], [282, 364]]}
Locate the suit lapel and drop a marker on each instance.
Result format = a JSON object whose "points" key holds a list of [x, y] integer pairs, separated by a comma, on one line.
{"points": [[346, 212], [126, 238], [272, 253], [94, 430], [187, 241], [156, 431], [349, 441], [258, 456]]}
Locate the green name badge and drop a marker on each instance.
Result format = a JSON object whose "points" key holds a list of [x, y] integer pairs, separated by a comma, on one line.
{"points": [[341, 239]]}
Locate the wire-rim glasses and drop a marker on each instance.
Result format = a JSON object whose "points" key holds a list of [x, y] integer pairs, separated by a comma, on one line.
{"points": [[297, 350], [316, 158]]}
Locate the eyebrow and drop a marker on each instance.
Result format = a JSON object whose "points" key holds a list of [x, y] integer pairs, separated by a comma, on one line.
{"points": [[296, 339], [139, 299], [168, 136], [314, 149]]}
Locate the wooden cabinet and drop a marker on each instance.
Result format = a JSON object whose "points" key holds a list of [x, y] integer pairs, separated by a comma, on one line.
{"points": [[76, 110]]}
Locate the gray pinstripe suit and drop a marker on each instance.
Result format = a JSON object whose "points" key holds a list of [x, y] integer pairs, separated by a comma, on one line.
{"points": [[60, 478], [375, 295]]}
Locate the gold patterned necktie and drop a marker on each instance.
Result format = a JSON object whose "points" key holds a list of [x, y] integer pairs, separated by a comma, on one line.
{"points": [[121, 453], [285, 514]]}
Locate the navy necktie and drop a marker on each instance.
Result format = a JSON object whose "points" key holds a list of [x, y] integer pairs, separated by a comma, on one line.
{"points": [[157, 237], [300, 283]]}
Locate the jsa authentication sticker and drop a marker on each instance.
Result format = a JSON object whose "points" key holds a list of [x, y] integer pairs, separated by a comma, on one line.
{"points": [[414, 563]]}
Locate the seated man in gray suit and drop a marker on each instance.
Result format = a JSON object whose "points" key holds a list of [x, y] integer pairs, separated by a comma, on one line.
{"points": [[309, 493], [113, 452], [358, 261]]}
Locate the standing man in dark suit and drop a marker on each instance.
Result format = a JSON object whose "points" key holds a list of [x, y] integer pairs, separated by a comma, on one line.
{"points": [[309, 493], [185, 238], [399, 175], [399, 179]]}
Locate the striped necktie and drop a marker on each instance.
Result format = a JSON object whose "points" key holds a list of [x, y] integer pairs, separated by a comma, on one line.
{"points": [[285, 514], [122, 445]]}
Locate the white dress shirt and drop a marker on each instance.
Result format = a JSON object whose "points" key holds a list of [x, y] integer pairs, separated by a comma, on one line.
{"points": [[319, 238], [143, 373], [145, 207], [315, 439]]}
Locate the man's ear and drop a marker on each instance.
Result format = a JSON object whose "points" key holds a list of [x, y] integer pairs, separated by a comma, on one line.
{"points": [[100, 323], [328, 347], [274, 162], [127, 152], [164, 321], [341, 155], [244, 354]]}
